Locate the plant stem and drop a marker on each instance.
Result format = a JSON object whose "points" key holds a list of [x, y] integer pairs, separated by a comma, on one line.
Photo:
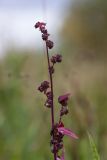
{"points": [[51, 85]]}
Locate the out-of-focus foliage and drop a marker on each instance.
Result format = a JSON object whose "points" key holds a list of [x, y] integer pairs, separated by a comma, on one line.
{"points": [[84, 38], [85, 29], [25, 122], [21, 114]]}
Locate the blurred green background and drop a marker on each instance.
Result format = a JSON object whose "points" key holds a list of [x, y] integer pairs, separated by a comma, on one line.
{"points": [[25, 122]]}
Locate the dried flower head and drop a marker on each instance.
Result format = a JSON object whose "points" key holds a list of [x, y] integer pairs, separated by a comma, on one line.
{"points": [[40, 25], [45, 36], [63, 99], [44, 86], [49, 44], [56, 58]]}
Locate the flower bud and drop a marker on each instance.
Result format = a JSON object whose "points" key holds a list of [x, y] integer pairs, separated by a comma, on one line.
{"points": [[64, 110], [49, 44], [45, 36], [44, 86], [63, 100], [48, 103], [40, 25], [56, 58]]}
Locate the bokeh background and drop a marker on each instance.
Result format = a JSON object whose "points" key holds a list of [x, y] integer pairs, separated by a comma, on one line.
{"points": [[79, 31]]}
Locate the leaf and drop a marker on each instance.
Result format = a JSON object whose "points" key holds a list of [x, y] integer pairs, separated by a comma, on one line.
{"points": [[67, 132], [93, 148]]}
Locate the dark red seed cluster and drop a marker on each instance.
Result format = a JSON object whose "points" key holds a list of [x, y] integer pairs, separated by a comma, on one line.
{"points": [[45, 34], [48, 102], [44, 86], [57, 142], [40, 25], [64, 110], [56, 58], [45, 37], [49, 44], [63, 100]]}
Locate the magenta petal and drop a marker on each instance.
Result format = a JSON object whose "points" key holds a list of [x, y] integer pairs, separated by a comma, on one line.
{"points": [[67, 132]]}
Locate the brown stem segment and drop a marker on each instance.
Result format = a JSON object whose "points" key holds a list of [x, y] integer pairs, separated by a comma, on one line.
{"points": [[52, 107]]}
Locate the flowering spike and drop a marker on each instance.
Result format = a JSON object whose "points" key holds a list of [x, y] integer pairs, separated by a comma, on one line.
{"points": [[57, 130]]}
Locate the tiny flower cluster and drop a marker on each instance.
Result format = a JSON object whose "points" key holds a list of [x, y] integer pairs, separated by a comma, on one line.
{"points": [[58, 138], [63, 100], [48, 102], [44, 86], [56, 58], [45, 34], [58, 130]]}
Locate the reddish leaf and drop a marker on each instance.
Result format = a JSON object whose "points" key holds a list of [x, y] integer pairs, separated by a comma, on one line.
{"points": [[67, 132]]}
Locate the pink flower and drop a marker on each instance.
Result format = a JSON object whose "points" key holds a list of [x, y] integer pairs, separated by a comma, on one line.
{"points": [[67, 132]]}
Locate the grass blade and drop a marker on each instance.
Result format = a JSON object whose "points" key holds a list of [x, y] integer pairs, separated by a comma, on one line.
{"points": [[93, 148]]}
